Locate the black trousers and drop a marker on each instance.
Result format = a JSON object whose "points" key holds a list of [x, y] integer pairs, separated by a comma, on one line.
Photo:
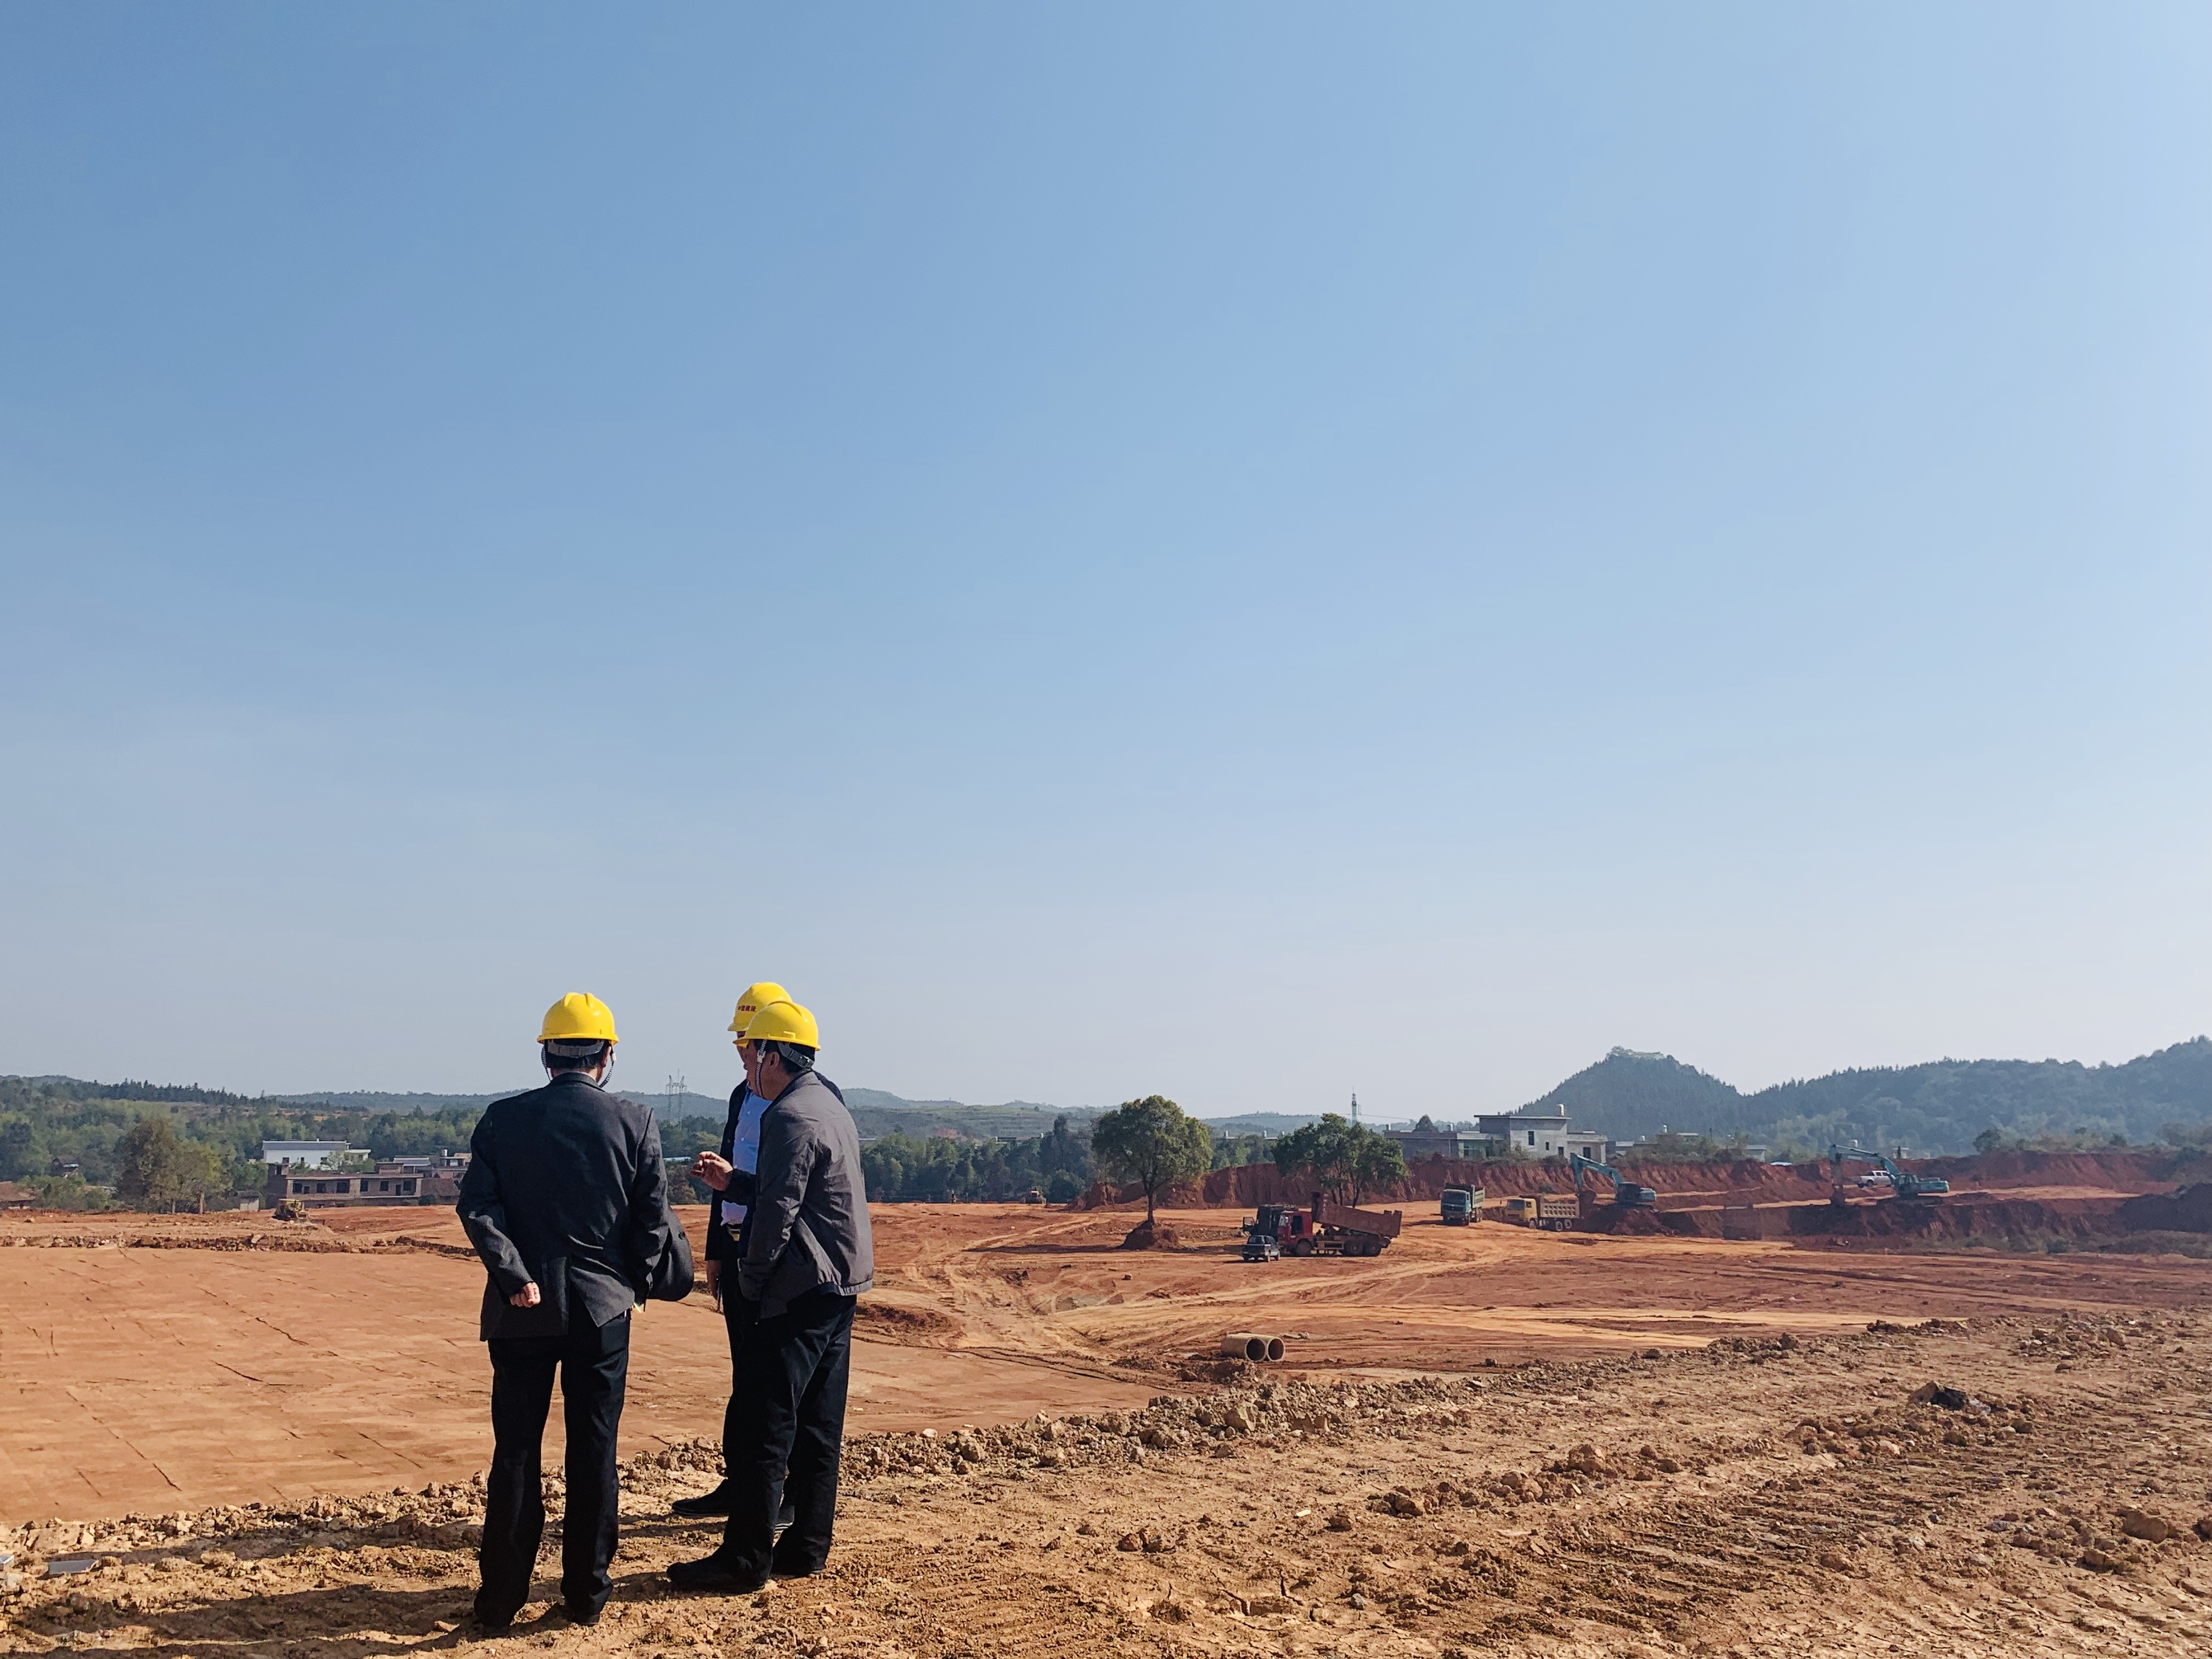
{"points": [[788, 1414], [739, 1317], [594, 1367]]}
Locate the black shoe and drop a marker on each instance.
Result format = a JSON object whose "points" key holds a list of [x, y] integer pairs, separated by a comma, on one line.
{"points": [[714, 1573], [576, 1615], [716, 1502], [791, 1570], [485, 1617]]}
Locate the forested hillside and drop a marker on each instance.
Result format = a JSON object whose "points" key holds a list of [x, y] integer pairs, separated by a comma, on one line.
{"points": [[1627, 1095], [1940, 1106], [876, 1113], [67, 1136], [69, 1139]]}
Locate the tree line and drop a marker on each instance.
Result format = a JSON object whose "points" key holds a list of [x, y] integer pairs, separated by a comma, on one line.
{"points": [[1153, 1145]]}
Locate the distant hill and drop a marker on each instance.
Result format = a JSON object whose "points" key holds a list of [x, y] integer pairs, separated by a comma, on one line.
{"points": [[366, 1101], [14, 1090], [1935, 1108], [683, 1104], [876, 1114], [1261, 1123], [1628, 1094]]}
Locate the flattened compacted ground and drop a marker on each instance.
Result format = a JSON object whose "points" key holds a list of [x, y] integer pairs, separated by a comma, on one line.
{"points": [[1760, 1496], [156, 1363], [1486, 1440]]}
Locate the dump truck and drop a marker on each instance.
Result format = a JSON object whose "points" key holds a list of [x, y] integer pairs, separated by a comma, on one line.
{"points": [[1458, 1205], [1327, 1228], [1553, 1211]]}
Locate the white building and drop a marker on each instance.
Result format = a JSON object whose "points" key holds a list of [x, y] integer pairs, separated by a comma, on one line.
{"points": [[305, 1154], [1544, 1134]]}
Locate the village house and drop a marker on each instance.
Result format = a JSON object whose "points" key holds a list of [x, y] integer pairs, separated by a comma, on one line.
{"points": [[389, 1182]]}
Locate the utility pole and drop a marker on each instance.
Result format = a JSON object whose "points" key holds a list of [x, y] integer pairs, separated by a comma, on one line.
{"points": [[1355, 1107]]}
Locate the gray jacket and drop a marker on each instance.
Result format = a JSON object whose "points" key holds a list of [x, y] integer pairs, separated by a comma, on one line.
{"points": [[810, 1216]]}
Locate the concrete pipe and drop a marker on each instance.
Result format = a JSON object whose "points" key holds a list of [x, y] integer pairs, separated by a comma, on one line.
{"points": [[1274, 1347], [1248, 1344]]}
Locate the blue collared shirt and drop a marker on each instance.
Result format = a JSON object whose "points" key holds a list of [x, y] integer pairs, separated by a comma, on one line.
{"points": [[744, 1152]]}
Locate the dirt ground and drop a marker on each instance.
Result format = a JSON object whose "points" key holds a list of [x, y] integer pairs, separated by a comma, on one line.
{"points": [[1486, 1439], [185, 1367]]}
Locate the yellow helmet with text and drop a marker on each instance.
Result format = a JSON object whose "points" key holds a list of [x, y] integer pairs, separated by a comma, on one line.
{"points": [[580, 1016], [784, 1022], [755, 998]]}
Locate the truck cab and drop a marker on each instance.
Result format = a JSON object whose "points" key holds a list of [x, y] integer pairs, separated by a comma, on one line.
{"points": [[1458, 1205]]}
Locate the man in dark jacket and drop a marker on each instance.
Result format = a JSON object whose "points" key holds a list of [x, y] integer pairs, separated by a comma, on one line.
{"points": [[729, 1172], [808, 1255], [566, 1199]]}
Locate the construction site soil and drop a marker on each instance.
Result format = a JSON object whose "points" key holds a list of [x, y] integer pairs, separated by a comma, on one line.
{"points": [[1995, 1196], [225, 1435]]}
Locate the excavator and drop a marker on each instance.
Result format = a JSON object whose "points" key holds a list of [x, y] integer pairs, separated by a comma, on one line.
{"points": [[1904, 1184], [1626, 1195]]}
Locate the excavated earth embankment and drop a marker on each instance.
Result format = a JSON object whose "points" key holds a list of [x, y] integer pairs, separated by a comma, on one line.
{"points": [[2028, 1196]]}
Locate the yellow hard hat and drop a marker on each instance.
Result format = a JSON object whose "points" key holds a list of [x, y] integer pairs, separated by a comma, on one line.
{"points": [[784, 1022], [754, 997], [580, 1016]]}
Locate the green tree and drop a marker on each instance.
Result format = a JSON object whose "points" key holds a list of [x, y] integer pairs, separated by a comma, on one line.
{"points": [[682, 1141], [1062, 1187], [1063, 1151], [1380, 1162], [1345, 1159], [1152, 1143], [156, 1168], [1231, 1150], [19, 1152]]}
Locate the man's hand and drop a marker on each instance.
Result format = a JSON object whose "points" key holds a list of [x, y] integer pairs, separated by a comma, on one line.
{"points": [[714, 1284], [527, 1296], [713, 1168]]}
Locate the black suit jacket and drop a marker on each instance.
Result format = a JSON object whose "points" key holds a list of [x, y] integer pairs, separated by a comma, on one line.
{"points": [[566, 1187]]}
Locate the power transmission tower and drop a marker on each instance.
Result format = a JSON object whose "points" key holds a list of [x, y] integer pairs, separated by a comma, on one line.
{"points": [[673, 1095], [1355, 1108]]}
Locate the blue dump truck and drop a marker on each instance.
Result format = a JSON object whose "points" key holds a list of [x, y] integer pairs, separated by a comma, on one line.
{"points": [[1461, 1205]]}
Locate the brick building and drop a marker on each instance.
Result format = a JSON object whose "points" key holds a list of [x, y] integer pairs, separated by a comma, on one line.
{"points": [[389, 1182]]}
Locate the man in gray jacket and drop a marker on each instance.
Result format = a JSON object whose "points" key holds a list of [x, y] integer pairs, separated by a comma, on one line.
{"points": [[808, 1255]]}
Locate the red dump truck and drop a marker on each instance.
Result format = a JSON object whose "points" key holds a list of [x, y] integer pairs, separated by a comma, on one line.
{"points": [[1328, 1228]]}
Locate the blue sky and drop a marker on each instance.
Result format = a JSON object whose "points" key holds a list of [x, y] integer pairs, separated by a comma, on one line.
{"points": [[1246, 552]]}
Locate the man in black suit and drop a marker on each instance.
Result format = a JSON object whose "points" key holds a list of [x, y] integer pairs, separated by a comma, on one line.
{"points": [[566, 1199]]}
